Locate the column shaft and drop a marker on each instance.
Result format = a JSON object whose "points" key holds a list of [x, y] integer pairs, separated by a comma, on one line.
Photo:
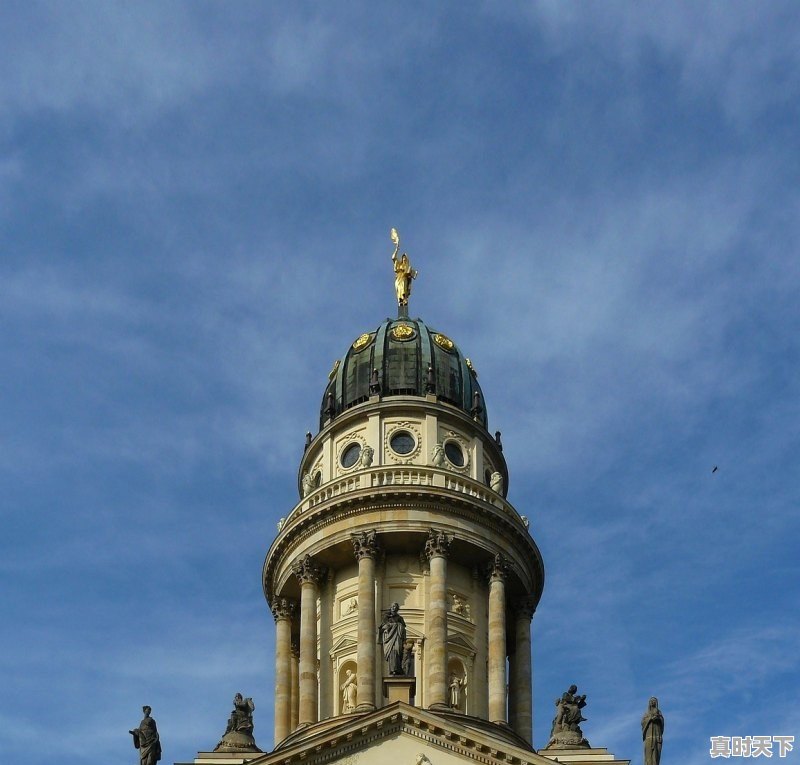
{"points": [[436, 644], [523, 703], [367, 634], [308, 703], [295, 694], [283, 677], [497, 648]]}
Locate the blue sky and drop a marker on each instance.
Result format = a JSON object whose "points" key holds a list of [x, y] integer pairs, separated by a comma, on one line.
{"points": [[602, 201]]}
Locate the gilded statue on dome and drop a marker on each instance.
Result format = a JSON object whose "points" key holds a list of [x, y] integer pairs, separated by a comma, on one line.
{"points": [[403, 272]]}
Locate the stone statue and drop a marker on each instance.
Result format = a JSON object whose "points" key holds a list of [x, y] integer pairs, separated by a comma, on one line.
{"points": [[308, 484], [281, 521], [403, 273], [367, 453], [146, 740], [460, 606], [652, 733], [566, 731], [456, 686], [349, 689], [239, 733], [392, 635], [496, 482], [437, 455]]}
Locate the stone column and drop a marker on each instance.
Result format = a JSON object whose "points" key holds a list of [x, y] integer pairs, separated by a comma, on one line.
{"points": [[308, 573], [366, 549], [282, 610], [522, 714], [497, 639], [436, 550], [295, 696]]}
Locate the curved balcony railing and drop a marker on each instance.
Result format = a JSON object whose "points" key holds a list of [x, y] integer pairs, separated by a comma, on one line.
{"points": [[398, 476]]}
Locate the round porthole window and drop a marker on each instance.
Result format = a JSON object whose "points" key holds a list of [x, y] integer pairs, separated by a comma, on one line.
{"points": [[402, 442], [453, 452], [350, 455]]}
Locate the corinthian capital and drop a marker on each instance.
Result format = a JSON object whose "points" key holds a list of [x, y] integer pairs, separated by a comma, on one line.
{"points": [[437, 543], [365, 544], [283, 608], [308, 570], [498, 567], [525, 607]]}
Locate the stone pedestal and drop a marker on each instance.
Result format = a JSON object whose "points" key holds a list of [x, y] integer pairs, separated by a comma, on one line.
{"points": [[223, 758], [397, 688], [582, 756]]}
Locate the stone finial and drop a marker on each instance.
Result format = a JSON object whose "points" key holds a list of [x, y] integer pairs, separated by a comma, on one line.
{"points": [[308, 441], [476, 405], [430, 380], [374, 384], [498, 567], [497, 440], [281, 522], [308, 570], [330, 406], [283, 608], [437, 543], [365, 544]]}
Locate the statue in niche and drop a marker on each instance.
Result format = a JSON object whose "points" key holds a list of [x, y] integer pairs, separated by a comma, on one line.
{"points": [[367, 453], [307, 483], [457, 684], [349, 689], [403, 272], [392, 636], [408, 659], [352, 607], [146, 740], [437, 455], [460, 606], [238, 735], [652, 733], [496, 482], [566, 731]]}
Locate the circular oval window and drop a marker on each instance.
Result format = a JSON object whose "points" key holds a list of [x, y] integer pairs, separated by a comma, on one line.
{"points": [[350, 455], [402, 442], [453, 452]]}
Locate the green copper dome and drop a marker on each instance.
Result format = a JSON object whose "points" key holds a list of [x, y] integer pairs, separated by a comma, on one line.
{"points": [[403, 357]]}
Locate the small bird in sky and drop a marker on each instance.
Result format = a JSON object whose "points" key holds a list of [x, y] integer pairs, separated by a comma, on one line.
{"points": [[715, 469]]}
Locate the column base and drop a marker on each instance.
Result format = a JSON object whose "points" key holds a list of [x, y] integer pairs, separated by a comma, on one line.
{"points": [[399, 688], [579, 756], [223, 758], [364, 708], [439, 707]]}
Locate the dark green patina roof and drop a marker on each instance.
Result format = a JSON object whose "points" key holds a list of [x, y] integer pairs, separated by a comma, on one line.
{"points": [[401, 350]]}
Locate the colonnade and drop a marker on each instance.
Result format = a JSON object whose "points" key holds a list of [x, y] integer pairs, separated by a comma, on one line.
{"points": [[296, 677]]}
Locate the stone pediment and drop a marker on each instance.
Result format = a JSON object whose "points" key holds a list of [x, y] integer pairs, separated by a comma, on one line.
{"points": [[461, 641], [402, 735]]}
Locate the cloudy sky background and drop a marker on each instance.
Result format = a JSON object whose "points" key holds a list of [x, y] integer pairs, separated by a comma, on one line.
{"points": [[602, 200]]}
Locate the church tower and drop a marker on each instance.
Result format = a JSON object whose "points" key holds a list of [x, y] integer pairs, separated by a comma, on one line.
{"points": [[402, 500]]}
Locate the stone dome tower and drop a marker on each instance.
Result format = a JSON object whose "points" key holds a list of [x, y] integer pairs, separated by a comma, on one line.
{"points": [[403, 500]]}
